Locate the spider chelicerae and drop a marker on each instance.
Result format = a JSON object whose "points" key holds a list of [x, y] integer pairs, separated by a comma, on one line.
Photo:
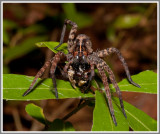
{"points": [[81, 62]]}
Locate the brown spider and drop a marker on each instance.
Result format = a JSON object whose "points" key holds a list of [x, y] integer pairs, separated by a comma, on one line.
{"points": [[80, 67]]}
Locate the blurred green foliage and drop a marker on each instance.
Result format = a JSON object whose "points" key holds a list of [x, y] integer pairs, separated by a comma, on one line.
{"points": [[122, 22], [82, 19], [17, 35], [131, 19], [127, 21], [23, 48], [19, 40], [7, 25]]}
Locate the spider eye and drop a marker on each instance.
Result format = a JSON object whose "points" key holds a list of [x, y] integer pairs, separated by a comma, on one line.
{"points": [[84, 60], [77, 57]]}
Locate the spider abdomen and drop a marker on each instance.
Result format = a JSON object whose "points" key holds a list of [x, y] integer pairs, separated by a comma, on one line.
{"points": [[79, 73]]}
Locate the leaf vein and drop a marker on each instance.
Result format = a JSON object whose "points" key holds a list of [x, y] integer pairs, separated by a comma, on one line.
{"points": [[139, 84], [138, 120], [40, 84]]}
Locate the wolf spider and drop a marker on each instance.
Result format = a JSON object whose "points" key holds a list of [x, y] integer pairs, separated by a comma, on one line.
{"points": [[81, 64]]}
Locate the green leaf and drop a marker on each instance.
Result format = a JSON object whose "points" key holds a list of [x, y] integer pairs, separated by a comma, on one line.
{"points": [[69, 10], [87, 20], [111, 34], [18, 84], [127, 21], [9, 24], [36, 112], [59, 125], [146, 79], [23, 48], [147, 84], [102, 120], [15, 85], [137, 8], [36, 28], [51, 45], [138, 120]]}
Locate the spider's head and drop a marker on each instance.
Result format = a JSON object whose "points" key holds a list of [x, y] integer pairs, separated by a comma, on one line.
{"points": [[83, 45]]}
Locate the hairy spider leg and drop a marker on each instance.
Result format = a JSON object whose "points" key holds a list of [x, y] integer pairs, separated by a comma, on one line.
{"points": [[64, 70], [95, 60], [39, 74], [71, 34], [62, 36], [57, 58], [108, 51], [67, 66], [64, 74], [113, 80], [91, 76], [107, 90], [92, 72]]}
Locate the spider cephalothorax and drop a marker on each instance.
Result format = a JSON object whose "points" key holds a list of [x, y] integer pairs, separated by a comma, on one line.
{"points": [[81, 61], [79, 71]]}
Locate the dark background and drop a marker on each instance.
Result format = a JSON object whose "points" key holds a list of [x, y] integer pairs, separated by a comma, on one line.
{"points": [[130, 27]]}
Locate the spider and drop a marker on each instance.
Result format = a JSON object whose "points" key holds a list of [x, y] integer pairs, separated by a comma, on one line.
{"points": [[81, 62]]}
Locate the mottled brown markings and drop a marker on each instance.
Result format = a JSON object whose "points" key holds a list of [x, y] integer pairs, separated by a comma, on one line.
{"points": [[53, 62], [113, 80], [67, 66], [107, 90], [71, 34], [101, 66], [108, 51], [71, 72], [39, 74]]}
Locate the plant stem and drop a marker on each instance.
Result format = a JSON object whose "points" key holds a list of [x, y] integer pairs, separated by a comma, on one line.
{"points": [[75, 110]]}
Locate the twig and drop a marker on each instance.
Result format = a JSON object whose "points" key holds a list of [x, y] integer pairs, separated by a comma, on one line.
{"points": [[17, 120], [75, 110], [62, 108]]}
